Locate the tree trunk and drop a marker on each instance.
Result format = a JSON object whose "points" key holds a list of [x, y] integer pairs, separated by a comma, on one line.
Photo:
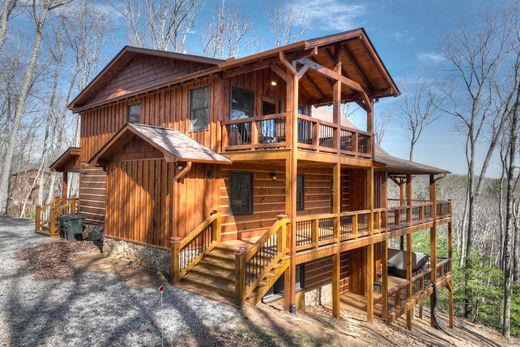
{"points": [[20, 106], [7, 9]]}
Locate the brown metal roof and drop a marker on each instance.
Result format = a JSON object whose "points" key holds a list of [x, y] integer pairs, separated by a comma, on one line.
{"points": [[174, 145], [397, 165], [67, 161]]}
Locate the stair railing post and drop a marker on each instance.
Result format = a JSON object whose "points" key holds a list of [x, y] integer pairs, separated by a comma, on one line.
{"points": [[37, 219], [175, 270], [355, 225], [282, 236], [73, 205], [240, 275], [217, 226]]}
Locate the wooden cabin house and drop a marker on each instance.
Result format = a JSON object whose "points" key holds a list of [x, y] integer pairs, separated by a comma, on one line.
{"points": [[223, 166]]}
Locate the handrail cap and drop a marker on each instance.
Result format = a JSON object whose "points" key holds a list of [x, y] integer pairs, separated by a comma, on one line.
{"points": [[282, 216], [241, 251]]}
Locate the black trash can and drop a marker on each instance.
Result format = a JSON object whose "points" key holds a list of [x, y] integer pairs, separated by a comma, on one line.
{"points": [[71, 226]]}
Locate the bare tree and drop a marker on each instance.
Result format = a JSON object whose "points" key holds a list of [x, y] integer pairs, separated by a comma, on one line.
{"points": [[476, 60], [226, 34], [159, 24], [382, 124], [419, 105], [39, 11], [285, 23], [7, 10]]}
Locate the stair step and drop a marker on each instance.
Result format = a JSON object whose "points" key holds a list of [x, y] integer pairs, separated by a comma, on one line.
{"points": [[213, 263], [221, 254], [218, 273], [216, 285], [207, 293]]}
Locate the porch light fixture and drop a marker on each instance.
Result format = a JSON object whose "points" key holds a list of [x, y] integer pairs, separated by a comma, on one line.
{"points": [[274, 83], [273, 176]]}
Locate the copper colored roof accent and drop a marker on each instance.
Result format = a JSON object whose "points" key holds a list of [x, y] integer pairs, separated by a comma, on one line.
{"points": [[67, 161], [397, 165], [174, 145]]}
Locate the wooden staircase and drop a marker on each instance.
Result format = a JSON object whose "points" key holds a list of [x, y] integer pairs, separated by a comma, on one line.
{"points": [[234, 272]]}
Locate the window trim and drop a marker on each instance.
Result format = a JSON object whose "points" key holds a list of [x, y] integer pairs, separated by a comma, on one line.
{"points": [[231, 101], [208, 107], [128, 112], [251, 190]]}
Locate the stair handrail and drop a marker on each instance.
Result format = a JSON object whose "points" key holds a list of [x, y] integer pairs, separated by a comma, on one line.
{"points": [[246, 260], [47, 215], [187, 252]]}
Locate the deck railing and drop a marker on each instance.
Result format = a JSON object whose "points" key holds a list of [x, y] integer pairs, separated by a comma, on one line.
{"points": [[314, 231], [187, 252], [46, 217], [254, 264], [268, 132]]}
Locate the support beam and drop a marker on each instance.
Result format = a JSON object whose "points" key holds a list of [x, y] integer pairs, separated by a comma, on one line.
{"points": [[384, 289], [450, 287], [370, 248], [336, 207], [409, 264], [65, 187], [336, 273], [336, 102], [433, 243]]}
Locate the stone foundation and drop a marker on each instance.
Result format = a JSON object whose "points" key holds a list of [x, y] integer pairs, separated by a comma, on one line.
{"points": [[149, 257], [319, 296]]}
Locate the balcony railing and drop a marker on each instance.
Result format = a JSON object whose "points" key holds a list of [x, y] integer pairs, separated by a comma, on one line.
{"points": [[270, 131], [315, 231]]}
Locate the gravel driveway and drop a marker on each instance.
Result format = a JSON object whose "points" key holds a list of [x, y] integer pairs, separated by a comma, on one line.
{"points": [[95, 308]]}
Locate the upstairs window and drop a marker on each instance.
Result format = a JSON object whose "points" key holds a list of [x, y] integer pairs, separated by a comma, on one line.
{"points": [[242, 103], [199, 108], [134, 113], [241, 193], [300, 198]]}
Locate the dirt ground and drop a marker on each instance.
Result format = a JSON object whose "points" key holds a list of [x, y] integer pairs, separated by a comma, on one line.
{"points": [[263, 325]]}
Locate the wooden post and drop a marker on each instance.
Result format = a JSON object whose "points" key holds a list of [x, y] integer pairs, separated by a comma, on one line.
{"points": [[240, 275], [336, 273], [398, 213], [409, 199], [175, 260], [37, 219], [433, 244], [291, 187], [409, 264], [370, 249], [450, 287], [336, 199], [384, 200], [218, 226], [65, 187], [73, 203], [384, 289]]}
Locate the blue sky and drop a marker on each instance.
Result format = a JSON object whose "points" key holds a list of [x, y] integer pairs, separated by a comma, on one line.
{"points": [[406, 34]]}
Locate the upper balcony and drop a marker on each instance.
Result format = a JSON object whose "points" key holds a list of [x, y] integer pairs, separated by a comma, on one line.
{"points": [[270, 132]]}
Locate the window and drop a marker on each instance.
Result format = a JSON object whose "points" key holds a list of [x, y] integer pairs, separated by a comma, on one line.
{"points": [[300, 198], [241, 193], [199, 108], [242, 103], [134, 113]]}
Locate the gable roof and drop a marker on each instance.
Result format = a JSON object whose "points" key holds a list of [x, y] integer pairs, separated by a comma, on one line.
{"points": [[67, 161], [123, 57], [364, 64], [174, 145]]}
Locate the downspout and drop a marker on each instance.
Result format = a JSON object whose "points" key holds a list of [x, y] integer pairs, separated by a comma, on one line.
{"points": [[290, 277]]}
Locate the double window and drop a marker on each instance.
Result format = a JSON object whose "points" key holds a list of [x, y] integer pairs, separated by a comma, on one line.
{"points": [[133, 113], [241, 193], [199, 108]]}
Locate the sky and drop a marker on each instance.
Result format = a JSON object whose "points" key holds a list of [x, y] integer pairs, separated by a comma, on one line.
{"points": [[407, 35]]}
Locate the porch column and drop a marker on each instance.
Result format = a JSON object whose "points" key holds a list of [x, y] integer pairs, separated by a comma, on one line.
{"points": [[409, 194], [65, 187], [450, 284], [370, 247], [401, 203], [336, 271], [433, 243], [384, 256], [290, 202], [336, 100], [409, 264]]}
